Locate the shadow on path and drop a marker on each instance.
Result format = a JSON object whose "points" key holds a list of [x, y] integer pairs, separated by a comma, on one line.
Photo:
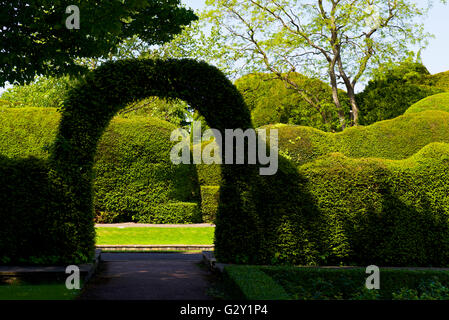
{"points": [[148, 276]]}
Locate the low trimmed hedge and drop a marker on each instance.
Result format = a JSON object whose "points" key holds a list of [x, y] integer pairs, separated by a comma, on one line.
{"points": [[250, 283], [179, 212], [302, 283]]}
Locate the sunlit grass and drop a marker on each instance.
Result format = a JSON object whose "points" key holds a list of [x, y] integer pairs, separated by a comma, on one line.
{"points": [[153, 236]]}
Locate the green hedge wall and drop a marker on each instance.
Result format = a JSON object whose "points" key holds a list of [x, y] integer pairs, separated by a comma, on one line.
{"points": [[382, 212], [179, 212], [35, 223], [210, 198], [339, 210], [134, 174]]}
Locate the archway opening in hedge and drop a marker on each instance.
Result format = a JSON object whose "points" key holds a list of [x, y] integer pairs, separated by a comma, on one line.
{"points": [[102, 93]]}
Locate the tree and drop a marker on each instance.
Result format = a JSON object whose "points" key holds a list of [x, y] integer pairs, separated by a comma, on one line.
{"points": [[43, 92], [337, 40], [393, 90], [35, 41], [271, 101]]}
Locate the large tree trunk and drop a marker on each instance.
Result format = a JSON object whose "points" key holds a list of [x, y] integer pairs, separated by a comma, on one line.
{"points": [[354, 106], [341, 113]]}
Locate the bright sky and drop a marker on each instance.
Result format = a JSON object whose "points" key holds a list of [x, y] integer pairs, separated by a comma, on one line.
{"points": [[435, 57]]}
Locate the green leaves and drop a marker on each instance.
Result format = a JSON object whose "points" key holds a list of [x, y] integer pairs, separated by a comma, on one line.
{"points": [[33, 42]]}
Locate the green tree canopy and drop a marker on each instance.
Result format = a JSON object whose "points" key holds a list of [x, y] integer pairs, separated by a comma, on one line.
{"points": [[271, 101], [340, 42], [393, 89], [35, 41]]}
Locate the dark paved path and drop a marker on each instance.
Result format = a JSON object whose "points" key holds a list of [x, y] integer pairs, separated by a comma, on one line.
{"points": [[148, 276]]}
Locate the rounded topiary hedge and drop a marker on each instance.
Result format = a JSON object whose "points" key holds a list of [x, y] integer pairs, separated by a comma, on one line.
{"points": [[334, 210], [382, 212], [436, 102], [398, 138]]}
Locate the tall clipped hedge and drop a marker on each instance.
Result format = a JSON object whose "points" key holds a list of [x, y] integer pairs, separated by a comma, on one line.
{"points": [[133, 172], [135, 179], [339, 210], [382, 212], [331, 209]]}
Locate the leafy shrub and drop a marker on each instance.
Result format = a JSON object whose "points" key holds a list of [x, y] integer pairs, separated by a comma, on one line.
{"points": [[427, 290], [439, 80], [393, 90], [43, 92], [436, 102]]}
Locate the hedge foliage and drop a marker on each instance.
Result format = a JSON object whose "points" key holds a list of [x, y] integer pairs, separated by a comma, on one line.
{"points": [[331, 209], [87, 111], [382, 212], [35, 225], [135, 177], [440, 80], [339, 210], [349, 283], [210, 198], [305, 283], [133, 171], [397, 138], [92, 103], [435, 102]]}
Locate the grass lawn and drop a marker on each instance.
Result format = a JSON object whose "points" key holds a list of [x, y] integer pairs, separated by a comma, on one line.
{"points": [[52, 291], [302, 283], [153, 235]]}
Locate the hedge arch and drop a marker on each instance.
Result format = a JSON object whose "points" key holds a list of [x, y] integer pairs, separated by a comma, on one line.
{"points": [[101, 94]]}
